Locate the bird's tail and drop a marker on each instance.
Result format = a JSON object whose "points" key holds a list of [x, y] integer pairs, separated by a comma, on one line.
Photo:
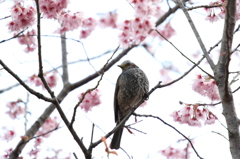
{"points": [[115, 144]]}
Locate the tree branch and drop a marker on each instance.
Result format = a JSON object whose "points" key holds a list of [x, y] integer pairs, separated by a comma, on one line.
{"points": [[64, 59], [156, 117], [221, 73], [37, 94], [212, 65]]}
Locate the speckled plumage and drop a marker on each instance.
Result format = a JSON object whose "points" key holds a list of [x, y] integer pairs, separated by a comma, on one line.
{"points": [[132, 85]]}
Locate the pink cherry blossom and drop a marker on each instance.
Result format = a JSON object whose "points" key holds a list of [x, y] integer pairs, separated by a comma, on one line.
{"points": [[22, 17], [8, 152], [38, 142], [206, 87], [109, 20], [136, 30], [91, 100], [9, 135], [51, 80], [51, 8], [34, 152], [88, 26], [212, 18], [193, 116], [29, 40], [14, 109], [210, 119], [173, 153], [49, 125], [167, 32], [69, 21]]}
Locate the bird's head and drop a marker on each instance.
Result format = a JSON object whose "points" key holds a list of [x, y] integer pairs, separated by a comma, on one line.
{"points": [[126, 65]]}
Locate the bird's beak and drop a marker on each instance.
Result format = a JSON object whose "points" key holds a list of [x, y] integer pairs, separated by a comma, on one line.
{"points": [[119, 66]]}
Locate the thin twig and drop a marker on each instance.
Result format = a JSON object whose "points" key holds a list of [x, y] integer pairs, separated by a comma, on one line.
{"points": [[15, 36], [220, 135], [5, 17], [156, 117], [183, 54], [92, 133], [26, 112], [204, 6], [212, 65]]}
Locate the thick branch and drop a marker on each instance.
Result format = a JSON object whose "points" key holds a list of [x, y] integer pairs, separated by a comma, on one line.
{"points": [[64, 59], [222, 76]]}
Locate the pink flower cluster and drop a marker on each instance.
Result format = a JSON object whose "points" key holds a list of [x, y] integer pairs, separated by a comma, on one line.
{"points": [[109, 20], [212, 15], [38, 141], [73, 21], [51, 8], [90, 100], [193, 115], [22, 17], [69, 21], [167, 32], [136, 30], [206, 87], [173, 153], [7, 155], [50, 79], [88, 26], [8, 135], [15, 109], [29, 40], [49, 125]]}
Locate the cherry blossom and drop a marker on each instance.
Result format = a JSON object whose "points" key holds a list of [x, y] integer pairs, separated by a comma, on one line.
{"points": [[8, 152], [210, 119], [212, 18], [109, 20], [22, 17], [167, 32], [193, 116], [51, 80], [173, 153], [34, 152], [9, 135], [38, 141], [206, 87], [136, 30], [51, 8], [15, 109], [29, 40], [49, 125], [69, 21], [213, 14], [88, 26], [91, 100]]}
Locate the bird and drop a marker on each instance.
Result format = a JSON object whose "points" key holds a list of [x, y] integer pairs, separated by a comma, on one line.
{"points": [[132, 85]]}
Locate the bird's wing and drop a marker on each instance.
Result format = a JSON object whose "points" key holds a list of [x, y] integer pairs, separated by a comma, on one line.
{"points": [[116, 106]]}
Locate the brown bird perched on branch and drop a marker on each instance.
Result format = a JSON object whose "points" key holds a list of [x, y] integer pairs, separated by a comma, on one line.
{"points": [[132, 85]]}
